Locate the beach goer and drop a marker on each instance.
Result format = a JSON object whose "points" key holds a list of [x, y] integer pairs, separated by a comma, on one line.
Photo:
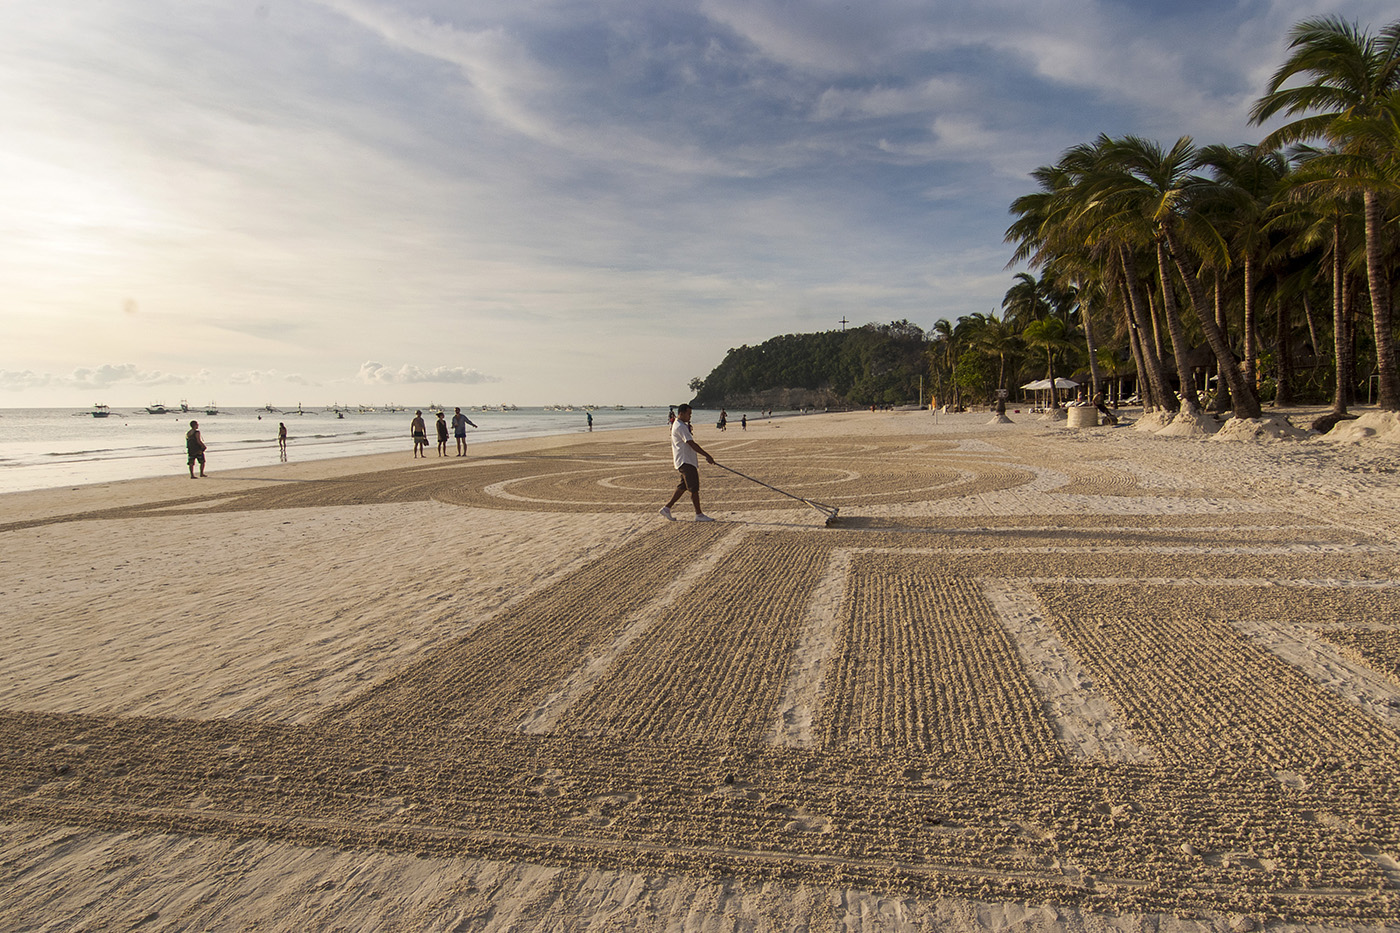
{"points": [[282, 440], [419, 430], [459, 430], [590, 421], [194, 446], [723, 424], [442, 434], [1108, 416], [684, 453], [671, 418], [744, 422]]}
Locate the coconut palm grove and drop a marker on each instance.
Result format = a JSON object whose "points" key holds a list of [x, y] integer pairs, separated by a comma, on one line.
{"points": [[1193, 277]]}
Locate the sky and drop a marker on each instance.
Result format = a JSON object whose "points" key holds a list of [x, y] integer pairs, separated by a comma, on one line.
{"points": [[556, 202]]}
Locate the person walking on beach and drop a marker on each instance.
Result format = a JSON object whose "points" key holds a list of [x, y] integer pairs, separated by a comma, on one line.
{"points": [[442, 434], [194, 446], [590, 422], [744, 422], [459, 430], [419, 430], [282, 440], [683, 454]]}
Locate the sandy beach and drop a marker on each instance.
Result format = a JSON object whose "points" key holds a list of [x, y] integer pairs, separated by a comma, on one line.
{"points": [[1033, 678]]}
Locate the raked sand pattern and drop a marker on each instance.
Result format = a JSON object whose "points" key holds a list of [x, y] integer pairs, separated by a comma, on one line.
{"points": [[1034, 678]]}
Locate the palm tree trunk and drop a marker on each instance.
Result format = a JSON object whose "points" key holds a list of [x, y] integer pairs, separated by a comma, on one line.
{"points": [[1144, 385], [1154, 305], [1251, 334], [1340, 342], [1144, 389], [1283, 352], [1177, 330], [1349, 311], [1223, 397], [1312, 336], [1154, 372], [1379, 287], [1089, 343], [1242, 395]]}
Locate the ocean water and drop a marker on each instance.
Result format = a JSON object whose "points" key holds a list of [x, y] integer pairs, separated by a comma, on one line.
{"points": [[45, 448]]}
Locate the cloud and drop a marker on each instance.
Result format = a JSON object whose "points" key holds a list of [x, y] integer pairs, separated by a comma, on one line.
{"points": [[373, 373], [25, 379], [256, 377], [109, 374], [103, 377]]}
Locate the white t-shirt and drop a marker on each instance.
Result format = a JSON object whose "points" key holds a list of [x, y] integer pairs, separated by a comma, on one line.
{"points": [[681, 452]]}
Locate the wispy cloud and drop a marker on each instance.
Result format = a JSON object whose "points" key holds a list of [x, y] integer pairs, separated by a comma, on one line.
{"points": [[599, 199], [256, 377], [373, 373]]}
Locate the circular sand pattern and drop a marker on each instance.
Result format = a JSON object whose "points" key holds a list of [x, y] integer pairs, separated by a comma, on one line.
{"points": [[635, 477], [1087, 480]]}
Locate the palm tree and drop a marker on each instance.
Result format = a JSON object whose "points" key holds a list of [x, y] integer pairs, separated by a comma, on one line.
{"points": [[1315, 213], [1114, 368], [996, 336], [1049, 335], [1152, 188], [1247, 185], [1063, 227], [943, 355], [1029, 299], [1351, 76]]}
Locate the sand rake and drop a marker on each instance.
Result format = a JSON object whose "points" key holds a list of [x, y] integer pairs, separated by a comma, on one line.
{"points": [[830, 511]]}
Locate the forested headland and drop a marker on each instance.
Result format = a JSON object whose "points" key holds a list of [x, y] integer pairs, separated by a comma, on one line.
{"points": [[878, 364]]}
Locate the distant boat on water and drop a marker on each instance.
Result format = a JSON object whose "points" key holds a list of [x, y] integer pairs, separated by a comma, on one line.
{"points": [[100, 411], [212, 408], [157, 409]]}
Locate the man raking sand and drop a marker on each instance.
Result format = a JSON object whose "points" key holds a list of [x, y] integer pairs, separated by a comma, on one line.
{"points": [[684, 453]]}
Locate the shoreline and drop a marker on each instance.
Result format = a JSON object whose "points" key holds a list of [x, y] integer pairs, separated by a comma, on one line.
{"points": [[86, 496], [33, 470]]}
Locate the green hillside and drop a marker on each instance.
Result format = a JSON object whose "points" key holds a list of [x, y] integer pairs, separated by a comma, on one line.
{"points": [[878, 364]]}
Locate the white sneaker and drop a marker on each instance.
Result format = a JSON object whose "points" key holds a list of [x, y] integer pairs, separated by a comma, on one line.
{"points": [[699, 517], [666, 513]]}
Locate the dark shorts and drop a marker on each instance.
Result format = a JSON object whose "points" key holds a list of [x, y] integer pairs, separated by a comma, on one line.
{"points": [[196, 455], [690, 477], [460, 435]]}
